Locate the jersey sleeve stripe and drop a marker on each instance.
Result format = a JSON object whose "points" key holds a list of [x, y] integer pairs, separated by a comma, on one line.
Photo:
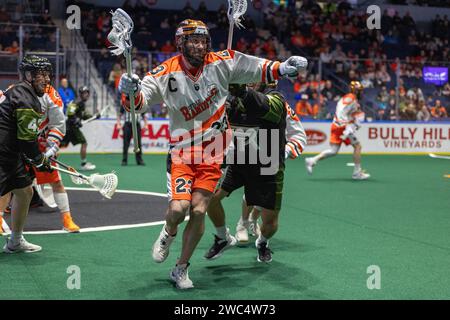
{"points": [[275, 74], [264, 71], [293, 153], [56, 133], [297, 144]]}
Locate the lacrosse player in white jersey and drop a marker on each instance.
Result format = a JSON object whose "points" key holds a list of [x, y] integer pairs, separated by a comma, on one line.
{"points": [[194, 86], [343, 128]]}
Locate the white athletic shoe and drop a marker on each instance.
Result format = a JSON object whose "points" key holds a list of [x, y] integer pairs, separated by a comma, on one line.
{"points": [[180, 276], [360, 175], [241, 233], [22, 246], [88, 166], [161, 246], [309, 163], [253, 228]]}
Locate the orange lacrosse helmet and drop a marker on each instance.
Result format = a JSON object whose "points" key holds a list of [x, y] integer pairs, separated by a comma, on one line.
{"points": [[192, 28], [356, 87]]}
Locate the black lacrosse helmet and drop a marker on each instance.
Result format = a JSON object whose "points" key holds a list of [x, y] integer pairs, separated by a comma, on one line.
{"points": [[34, 64], [83, 89]]}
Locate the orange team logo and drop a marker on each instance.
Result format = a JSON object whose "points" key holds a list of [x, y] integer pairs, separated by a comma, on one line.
{"points": [[191, 111]]}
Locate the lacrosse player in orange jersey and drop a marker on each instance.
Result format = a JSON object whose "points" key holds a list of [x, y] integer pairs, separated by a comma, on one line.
{"points": [[194, 85], [53, 129], [343, 128]]}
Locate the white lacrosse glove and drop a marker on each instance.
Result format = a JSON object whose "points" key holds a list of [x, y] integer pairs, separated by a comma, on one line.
{"points": [[129, 85], [52, 150], [350, 129], [293, 66]]}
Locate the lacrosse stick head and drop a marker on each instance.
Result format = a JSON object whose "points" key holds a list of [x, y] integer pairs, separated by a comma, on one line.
{"points": [[236, 9], [76, 180], [120, 35], [106, 184]]}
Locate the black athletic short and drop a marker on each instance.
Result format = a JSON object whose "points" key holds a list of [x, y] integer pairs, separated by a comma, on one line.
{"points": [[73, 136], [260, 190], [13, 175]]}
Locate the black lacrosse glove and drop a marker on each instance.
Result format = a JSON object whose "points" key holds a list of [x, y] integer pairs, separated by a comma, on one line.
{"points": [[238, 90], [98, 116], [43, 164]]}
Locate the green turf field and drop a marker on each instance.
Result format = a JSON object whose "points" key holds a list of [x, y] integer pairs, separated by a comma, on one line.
{"points": [[331, 230]]}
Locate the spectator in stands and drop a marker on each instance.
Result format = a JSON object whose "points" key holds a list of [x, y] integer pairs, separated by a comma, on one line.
{"points": [[329, 92], [142, 26], [67, 94], [303, 107], [202, 11], [153, 45], [316, 106], [13, 48], [188, 11], [114, 76], [168, 47], [415, 93], [438, 111], [366, 82], [446, 90], [408, 114], [423, 114], [325, 55], [384, 114], [4, 15], [221, 17], [382, 98], [382, 76], [165, 24]]}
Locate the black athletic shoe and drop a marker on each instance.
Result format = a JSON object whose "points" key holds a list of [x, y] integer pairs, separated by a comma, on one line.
{"points": [[219, 246], [124, 162], [140, 163], [264, 253]]}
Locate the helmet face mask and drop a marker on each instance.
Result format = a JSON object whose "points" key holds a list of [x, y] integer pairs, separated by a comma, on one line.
{"points": [[84, 93], [193, 41], [38, 72]]}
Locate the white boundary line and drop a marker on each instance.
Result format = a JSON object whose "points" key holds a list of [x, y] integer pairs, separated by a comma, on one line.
{"points": [[436, 156], [108, 228]]}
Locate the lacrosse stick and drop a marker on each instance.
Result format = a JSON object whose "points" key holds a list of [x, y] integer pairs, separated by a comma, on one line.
{"points": [[120, 37], [95, 117], [106, 184], [236, 9]]}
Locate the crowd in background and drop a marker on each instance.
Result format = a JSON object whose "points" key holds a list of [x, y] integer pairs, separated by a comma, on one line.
{"points": [[334, 35]]}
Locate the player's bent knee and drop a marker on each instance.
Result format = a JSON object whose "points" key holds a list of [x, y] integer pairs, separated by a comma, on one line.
{"points": [[178, 208]]}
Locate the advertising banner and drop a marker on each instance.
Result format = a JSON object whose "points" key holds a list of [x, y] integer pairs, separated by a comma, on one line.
{"points": [[103, 136]]}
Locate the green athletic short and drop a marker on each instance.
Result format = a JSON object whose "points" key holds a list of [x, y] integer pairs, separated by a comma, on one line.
{"points": [[73, 136]]}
